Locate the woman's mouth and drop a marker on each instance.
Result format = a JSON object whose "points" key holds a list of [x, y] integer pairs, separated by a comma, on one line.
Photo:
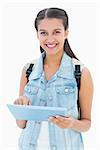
{"points": [[51, 46]]}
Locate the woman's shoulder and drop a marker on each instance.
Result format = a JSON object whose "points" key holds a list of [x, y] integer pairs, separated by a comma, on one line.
{"points": [[26, 66], [78, 62], [86, 74], [84, 69], [86, 78]]}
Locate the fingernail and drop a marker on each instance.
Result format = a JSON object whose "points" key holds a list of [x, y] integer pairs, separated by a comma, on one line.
{"points": [[50, 118], [57, 116]]}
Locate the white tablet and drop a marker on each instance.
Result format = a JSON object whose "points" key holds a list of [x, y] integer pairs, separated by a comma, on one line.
{"points": [[36, 113]]}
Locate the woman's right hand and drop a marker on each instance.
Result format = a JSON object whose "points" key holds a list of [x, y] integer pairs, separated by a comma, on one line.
{"points": [[22, 100]]}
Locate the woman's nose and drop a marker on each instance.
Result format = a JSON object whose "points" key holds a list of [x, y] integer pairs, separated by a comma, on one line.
{"points": [[50, 39]]}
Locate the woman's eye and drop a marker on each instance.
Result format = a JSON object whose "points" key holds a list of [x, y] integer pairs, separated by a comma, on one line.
{"points": [[43, 33], [57, 32]]}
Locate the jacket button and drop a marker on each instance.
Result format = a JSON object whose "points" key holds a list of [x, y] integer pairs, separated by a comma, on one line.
{"points": [[66, 90], [50, 98], [28, 90], [57, 90]]}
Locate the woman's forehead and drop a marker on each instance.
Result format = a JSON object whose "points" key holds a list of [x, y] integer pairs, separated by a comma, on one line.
{"points": [[50, 23]]}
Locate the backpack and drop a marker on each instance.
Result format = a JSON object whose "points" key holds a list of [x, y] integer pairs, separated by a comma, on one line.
{"points": [[77, 73]]}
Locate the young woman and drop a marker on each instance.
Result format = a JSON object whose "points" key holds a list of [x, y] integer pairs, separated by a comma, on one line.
{"points": [[52, 83]]}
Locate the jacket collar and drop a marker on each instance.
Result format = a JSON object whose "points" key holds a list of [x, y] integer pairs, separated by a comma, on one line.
{"points": [[65, 69], [38, 68]]}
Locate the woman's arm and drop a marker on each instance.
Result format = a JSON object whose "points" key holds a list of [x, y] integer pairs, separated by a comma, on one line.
{"points": [[23, 81], [85, 98], [21, 99]]}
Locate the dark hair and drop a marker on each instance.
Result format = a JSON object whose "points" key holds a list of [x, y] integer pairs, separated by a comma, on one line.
{"points": [[59, 14]]}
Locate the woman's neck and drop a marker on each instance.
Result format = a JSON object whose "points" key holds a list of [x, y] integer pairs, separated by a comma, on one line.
{"points": [[53, 60]]}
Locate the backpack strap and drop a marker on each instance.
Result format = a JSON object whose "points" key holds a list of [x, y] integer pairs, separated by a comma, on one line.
{"points": [[77, 73], [28, 71]]}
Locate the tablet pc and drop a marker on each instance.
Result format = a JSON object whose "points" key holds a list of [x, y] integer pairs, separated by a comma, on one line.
{"points": [[36, 113]]}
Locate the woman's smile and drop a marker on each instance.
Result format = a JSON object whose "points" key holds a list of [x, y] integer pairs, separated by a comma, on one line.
{"points": [[51, 46]]}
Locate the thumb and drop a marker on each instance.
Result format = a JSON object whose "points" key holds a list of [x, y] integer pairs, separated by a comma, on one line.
{"points": [[68, 116]]}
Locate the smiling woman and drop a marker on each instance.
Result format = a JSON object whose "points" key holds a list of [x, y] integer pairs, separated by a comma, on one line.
{"points": [[53, 77], [51, 34]]}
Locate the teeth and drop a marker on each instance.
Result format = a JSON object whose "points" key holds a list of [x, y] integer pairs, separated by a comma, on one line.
{"points": [[51, 45]]}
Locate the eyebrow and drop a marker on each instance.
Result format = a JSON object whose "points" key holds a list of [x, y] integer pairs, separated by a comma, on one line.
{"points": [[46, 30]]}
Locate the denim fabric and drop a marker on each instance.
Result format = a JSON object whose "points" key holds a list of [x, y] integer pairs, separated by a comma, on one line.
{"points": [[60, 91]]}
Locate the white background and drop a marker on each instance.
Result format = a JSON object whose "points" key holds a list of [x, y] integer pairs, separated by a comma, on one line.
{"points": [[19, 45]]}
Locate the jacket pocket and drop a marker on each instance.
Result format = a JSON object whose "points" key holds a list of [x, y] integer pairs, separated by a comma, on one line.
{"points": [[31, 90], [66, 96], [65, 90]]}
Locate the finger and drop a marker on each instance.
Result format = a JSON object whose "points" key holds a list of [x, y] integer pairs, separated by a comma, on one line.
{"points": [[24, 102], [68, 116], [51, 119], [57, 122], [15, 102], [30, 102], [60, 118], [54, 120], [20, 102], [27, 101]]}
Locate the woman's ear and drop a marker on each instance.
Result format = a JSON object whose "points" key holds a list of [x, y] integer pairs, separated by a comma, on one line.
{"points": [[66, 33]]}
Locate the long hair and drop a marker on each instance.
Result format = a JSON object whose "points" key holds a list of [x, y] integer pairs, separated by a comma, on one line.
{"points": [[58, 14]]}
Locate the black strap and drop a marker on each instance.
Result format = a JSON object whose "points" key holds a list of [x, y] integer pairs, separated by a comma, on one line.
{"points": [[77, 74], [28, 71]]}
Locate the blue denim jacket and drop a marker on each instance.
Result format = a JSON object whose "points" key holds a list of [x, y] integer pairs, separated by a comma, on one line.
{"points": [[59, 91]]}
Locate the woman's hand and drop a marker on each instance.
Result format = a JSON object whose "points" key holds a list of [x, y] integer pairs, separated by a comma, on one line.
{"points": [[22, 100], [62, 122]]}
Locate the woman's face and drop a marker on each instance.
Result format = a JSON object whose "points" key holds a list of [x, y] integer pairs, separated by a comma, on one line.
{"points": [[51, 35]]}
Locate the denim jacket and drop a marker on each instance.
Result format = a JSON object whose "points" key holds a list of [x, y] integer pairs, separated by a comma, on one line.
{"points": [[59, 91]]}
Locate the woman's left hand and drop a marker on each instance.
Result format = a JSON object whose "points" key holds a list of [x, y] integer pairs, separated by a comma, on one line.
{"points": [[62, 122]]}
